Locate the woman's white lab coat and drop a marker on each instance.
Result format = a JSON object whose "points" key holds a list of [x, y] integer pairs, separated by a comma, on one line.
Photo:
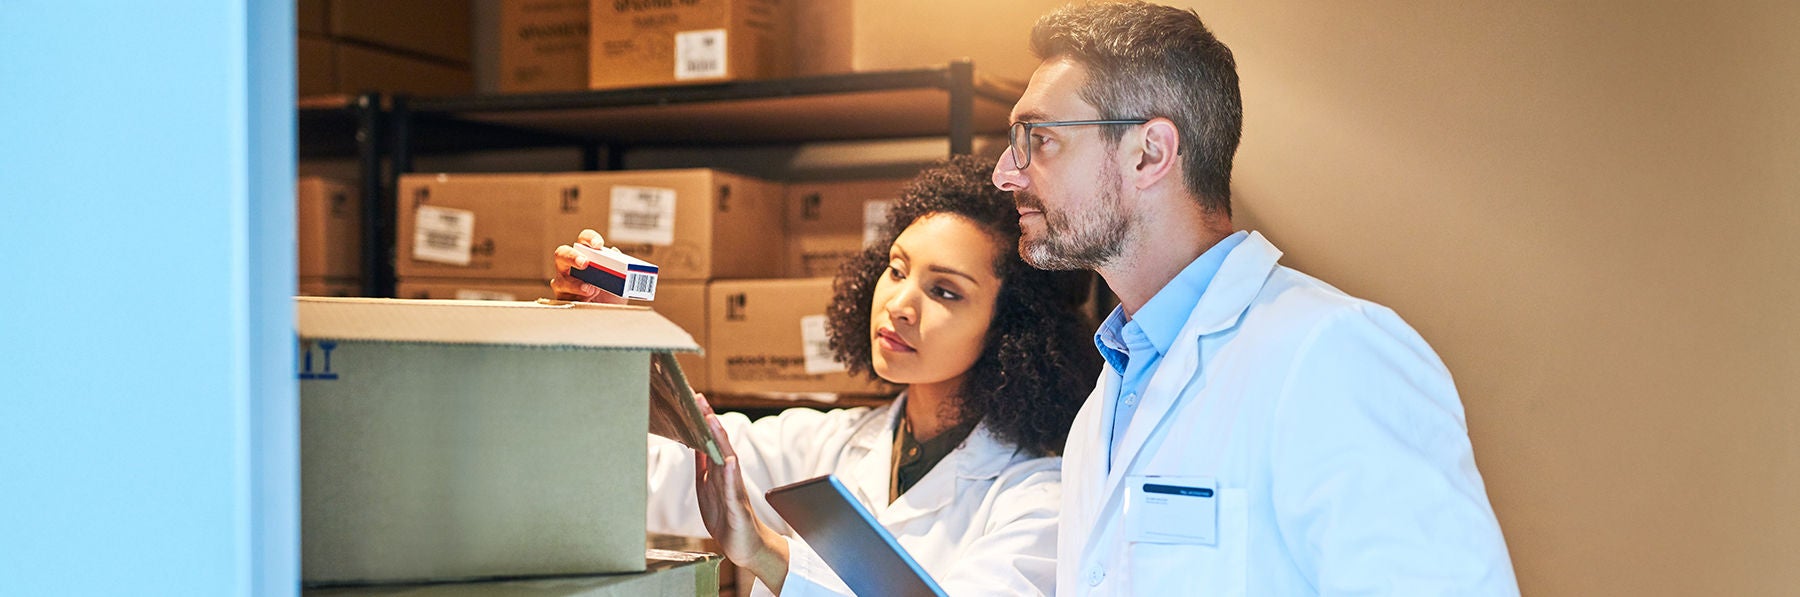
{"points": [[981, 522], [1329, 433]]}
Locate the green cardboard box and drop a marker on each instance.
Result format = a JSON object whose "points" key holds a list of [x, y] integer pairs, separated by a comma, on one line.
{"points": [[445, 440]]}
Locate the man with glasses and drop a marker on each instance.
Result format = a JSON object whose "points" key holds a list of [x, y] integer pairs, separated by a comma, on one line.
{"points": [[1256, 431]]}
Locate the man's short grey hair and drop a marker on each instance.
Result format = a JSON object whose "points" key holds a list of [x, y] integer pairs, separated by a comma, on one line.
{"points": [[1148, 61]]}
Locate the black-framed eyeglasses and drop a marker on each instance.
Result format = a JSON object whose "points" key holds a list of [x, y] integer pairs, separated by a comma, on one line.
{"points": [[1019, 138]]}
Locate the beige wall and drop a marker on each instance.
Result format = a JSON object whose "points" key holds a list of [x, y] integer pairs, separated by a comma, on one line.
{"points": [[1590, 210]]}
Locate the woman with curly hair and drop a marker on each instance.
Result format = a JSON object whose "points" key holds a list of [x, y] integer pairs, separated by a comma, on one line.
{"points": [[995, 358]]}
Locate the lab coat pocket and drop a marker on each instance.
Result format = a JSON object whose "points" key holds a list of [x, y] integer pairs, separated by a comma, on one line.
{"points": [[1180, 568]]}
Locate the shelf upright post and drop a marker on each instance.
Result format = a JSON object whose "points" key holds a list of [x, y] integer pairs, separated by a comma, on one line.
{"points": [[615, 157], [961, 87], [590, 156], [367, 110], [400, 144], [597, 156]]}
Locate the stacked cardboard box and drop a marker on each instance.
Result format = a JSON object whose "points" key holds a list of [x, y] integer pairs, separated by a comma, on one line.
{"points": [[666, 574], [768, 336], [455, 440], [329, 234], [565, 45], [872, 35], [723, 243], [830, 222], [419, 47]]}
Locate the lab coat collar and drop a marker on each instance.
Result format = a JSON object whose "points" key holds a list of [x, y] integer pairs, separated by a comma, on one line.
{"points": [[1237, 283], [873, 448], [1239, 280], [981, 456]]}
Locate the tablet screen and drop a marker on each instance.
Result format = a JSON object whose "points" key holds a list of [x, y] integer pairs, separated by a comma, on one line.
{"points": [[862, 553]]}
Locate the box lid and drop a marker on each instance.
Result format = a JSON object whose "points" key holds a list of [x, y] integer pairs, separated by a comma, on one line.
{"points": [[546, 324]]}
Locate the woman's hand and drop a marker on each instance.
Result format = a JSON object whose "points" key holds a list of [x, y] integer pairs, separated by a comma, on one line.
{"points": [[725, 507], [570, 288]]}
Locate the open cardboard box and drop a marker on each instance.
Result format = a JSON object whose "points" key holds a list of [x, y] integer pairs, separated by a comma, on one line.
{"points": [[445, 440]]}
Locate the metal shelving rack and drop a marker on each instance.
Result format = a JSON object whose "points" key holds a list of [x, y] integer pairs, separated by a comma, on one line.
{"points": [[351, 126], [952, 101]]}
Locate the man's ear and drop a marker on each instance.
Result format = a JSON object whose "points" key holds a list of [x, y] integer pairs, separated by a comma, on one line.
{"points": [[1159, 152]]}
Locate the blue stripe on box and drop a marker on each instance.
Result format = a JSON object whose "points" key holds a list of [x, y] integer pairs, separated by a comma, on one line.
{"points": [[599, 277], [641, 268]]}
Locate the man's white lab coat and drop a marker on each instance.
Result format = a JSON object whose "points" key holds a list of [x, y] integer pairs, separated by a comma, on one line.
{"points": [[1328, 434], [981, 522]]}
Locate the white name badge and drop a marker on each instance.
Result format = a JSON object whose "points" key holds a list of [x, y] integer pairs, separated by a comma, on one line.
{"points": [[1182, 510]]}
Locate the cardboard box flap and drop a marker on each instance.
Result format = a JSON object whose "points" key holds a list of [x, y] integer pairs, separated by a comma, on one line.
{"points": [[548, 324]]}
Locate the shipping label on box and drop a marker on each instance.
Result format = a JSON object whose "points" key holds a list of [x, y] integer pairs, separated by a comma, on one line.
{"points": [[694, 224], [446, 440], [768, 337], [829, 223], [643, 42]]}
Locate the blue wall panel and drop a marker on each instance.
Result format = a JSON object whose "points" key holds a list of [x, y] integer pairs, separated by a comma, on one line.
{"points": [[146, 240]]}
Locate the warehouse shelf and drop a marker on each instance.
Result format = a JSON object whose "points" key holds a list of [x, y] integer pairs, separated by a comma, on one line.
{"points": [[950, 101]]}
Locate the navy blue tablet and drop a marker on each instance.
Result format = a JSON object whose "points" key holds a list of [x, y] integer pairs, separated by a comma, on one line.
{"points": [[846, 536]]}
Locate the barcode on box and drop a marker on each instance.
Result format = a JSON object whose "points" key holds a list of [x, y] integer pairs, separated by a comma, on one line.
{"points": [[441, 240], [700, 54], [641, 284], [640, 220]]}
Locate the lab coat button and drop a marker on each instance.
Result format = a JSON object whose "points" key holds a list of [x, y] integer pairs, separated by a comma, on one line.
{"points": [[1095, 575]]}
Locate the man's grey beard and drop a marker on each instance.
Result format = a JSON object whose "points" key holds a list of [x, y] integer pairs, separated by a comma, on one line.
{"points": [[1077, 241]]}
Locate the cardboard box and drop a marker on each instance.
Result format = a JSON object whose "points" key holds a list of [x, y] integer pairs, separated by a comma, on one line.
{"points": [[694, 224], [448, 440], [315, 66], [830, 222], [477, 226], [316, 286], [543, 45], [329, 228], [839, 36], [665, 573], [362, 69], [684, 303], [434, 28], [768, 337], [636, 43], [310, 16], [472, 289]]}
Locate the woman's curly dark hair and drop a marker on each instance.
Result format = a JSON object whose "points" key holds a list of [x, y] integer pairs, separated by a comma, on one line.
{"points": [[1038, 360]]}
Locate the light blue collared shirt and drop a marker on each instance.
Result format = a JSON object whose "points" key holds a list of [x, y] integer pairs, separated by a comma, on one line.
{"points": [[1135, 345]]}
